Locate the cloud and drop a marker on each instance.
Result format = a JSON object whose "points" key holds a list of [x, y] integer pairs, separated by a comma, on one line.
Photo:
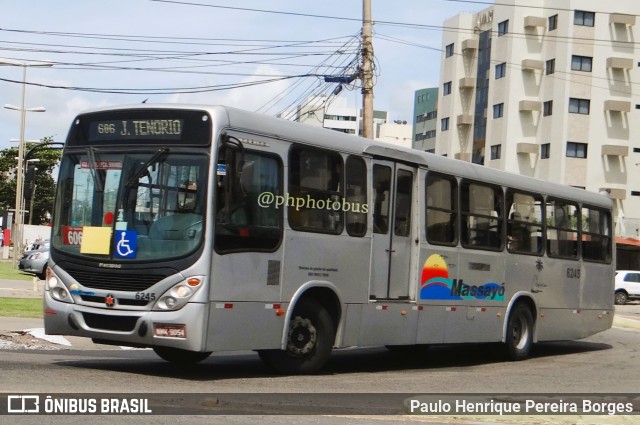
{"points": [[250, 98]]}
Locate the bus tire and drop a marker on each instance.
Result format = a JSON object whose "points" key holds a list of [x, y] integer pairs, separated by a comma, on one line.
{"points": [[309, 344], [519, 338], [621, 298], [179, 356]]}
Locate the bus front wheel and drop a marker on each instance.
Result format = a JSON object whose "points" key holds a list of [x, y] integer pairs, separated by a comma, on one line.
{"points": [[519, 336], [309, 343], [181, 357]]}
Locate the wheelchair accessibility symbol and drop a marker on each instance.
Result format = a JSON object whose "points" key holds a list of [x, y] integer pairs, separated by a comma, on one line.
{"points": [[126, 243]]}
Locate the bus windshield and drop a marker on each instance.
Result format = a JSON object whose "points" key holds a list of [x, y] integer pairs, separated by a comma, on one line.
{"points": [[146, 205]]}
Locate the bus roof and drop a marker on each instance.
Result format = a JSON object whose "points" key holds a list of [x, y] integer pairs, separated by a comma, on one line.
{"points": [[228, 117]]}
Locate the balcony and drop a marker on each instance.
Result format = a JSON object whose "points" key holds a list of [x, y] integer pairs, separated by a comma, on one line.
{"points": [[527, 148], [614, 193], [467, 83], [532, 65], [529, 106], [465, 119], [622, 19], [619, 63], [615, 150], [463, 156], [617, 106], [470, 44], [534, 21]]}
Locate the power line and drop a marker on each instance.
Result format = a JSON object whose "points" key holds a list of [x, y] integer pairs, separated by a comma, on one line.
{"points": [[175, 90], [526, 6]]}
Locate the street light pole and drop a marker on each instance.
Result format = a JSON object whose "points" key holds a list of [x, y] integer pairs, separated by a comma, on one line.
{"points": [[17, 232]]}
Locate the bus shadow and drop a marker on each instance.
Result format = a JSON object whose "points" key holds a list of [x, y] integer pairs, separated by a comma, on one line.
{"points": [[357, 360]]}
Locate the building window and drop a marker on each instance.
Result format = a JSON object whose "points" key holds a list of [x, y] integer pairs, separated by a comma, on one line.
{"points": [[501, 70], [553, 22], [636, 150], [446, 88], [635, 193], [498, 110], [495, 151], [547, 108], [448, 51], [581, 63], [545, 150], [550, 67], [427, 135], [503, 28], [444, 124], [576, 150], [579, 106], [583, 18]]}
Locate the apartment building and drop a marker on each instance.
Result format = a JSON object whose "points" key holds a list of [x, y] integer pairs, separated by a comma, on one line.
{"points": [[425, 118], [335, 114], [547, 88]]}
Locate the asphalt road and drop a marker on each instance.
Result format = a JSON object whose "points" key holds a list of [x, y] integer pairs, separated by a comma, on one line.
{"points": [[604, 363]]}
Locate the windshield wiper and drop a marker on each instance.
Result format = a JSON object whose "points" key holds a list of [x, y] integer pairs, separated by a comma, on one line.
{"points": [[160, 154]]}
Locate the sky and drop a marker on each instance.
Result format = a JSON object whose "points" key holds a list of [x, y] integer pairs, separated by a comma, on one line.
{"points": [[208, 52]]}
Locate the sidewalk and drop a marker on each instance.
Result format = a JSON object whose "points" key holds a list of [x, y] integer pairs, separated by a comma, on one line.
{"points": [[14, 325], [21, 288]]}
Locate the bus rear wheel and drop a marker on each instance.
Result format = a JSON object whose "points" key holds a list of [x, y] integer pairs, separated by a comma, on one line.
{"points": [[519, 337], [309, 344], [179, 356]]}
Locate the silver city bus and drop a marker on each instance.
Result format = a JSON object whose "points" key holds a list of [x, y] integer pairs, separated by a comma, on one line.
{"points": [[194, 229]]}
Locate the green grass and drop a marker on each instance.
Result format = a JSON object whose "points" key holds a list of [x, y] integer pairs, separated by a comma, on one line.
{"points": [[8, 272], [21, 307]]}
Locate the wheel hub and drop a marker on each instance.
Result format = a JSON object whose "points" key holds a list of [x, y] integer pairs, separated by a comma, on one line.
{"points": [[302, 337]]}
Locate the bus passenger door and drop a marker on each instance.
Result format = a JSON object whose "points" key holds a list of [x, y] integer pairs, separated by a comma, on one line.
{"points": [[393, 186]]}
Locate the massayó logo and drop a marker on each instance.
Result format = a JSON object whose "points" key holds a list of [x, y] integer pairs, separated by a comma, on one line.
{"points": [[436, 284]]}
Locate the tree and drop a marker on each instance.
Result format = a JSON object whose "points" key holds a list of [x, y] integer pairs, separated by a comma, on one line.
{"points": [[44, 182]]}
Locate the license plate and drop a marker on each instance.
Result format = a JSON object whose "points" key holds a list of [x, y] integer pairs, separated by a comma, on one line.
{"points": [[169, 331]]}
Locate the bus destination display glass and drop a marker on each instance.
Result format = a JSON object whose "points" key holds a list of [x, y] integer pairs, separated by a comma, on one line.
{"points": [[136, 129]]}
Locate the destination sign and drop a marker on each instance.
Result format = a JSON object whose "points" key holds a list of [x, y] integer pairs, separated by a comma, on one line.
{"points": [[136, 129], [143, 126]]}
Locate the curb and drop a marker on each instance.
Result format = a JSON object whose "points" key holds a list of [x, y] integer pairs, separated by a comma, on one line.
{"points": [[620, 321]]}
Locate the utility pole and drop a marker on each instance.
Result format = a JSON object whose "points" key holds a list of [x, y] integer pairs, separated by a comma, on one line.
{"points": [[367, 71]]}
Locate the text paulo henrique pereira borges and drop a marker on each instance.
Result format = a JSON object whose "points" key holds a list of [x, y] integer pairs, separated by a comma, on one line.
{"points": [[529, 406]]}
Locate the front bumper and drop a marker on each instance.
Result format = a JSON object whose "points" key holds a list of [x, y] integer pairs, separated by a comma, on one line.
{"points": [[126, 327]]}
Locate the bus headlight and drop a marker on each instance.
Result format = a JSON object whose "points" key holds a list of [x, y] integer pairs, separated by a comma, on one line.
{"points": [[176, 297], [58, 290]]}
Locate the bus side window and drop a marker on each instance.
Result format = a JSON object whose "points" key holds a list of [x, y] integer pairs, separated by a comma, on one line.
{"points": [[562, 229], [404, 188], [356, 196], [482, 216], [242, 223], [596, 235], [381, 187], [442, 196], [316, 186], [524, 226]]}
